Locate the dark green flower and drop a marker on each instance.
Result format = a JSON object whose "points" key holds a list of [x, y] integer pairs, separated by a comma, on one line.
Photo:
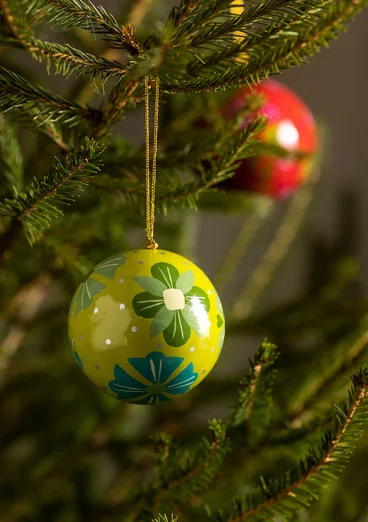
{"points": [[173, 302]]}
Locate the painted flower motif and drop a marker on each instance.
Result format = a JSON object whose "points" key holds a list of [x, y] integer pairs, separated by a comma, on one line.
{"points": [[173, 302], [158, 371], [78, 359], [89, 287]]}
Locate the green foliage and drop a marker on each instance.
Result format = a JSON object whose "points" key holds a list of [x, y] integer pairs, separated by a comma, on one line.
{"points": [[11, 161], [164, 518], [75, 13], [295, 491], [181, 473], [35, 207], [22, 98], [201, 46], [255, 396]]}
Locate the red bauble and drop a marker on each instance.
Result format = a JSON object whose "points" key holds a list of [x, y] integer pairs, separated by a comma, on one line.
{"points": [[291, 126]]}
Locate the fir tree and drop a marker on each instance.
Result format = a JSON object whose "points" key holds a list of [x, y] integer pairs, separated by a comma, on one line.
{"points": [[66, 451]]}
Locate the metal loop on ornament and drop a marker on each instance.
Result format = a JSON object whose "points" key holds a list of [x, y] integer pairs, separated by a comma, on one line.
{"points": [[151, 244]]}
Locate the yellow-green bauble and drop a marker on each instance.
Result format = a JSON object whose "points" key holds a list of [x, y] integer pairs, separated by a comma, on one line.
{"points": [[146, 326]]}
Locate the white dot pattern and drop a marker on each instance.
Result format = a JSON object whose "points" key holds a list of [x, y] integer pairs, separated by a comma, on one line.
{"points": [[95, 311], [122, 306], [134, 329], [108, 341]]}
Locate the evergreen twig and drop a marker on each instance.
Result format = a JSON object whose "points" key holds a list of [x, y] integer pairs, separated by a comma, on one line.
{"points": [[35, 208], [85, 15], [20, 97], [65, 58], [255, 395], [180, 475], [299, 487]]}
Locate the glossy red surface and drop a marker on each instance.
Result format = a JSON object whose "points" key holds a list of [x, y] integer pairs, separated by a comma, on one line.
{"points": [[291, 125]]}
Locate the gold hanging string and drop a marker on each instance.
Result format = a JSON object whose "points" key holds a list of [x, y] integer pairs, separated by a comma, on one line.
{"points": [[151, 176]]}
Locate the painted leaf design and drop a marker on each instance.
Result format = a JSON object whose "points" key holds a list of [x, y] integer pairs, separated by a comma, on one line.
{"points": [[198, 295], [147, 305], [178, 332], [85, 293], [185, 281], [161, 321], [221, 338], [166, 273], [151, 285], [193, 320], [108, 267]]}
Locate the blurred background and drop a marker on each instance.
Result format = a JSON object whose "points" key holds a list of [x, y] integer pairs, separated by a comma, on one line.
{"points": [[67, 459]]}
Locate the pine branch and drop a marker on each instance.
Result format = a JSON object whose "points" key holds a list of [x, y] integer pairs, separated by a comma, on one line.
{"points": [[218, 169], [299, 487], [20, 97], [11, 159], [262, 37], [347, 354], [193, 16], [263, 14], [66, 14], [182, 474], [35, 208], [291, 51], [164, 518], [255, 395], [65, 58]]}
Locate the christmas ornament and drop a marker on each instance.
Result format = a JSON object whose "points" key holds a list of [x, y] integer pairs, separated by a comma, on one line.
{"points": [[237, 9], [146, 326], [290, 126]]}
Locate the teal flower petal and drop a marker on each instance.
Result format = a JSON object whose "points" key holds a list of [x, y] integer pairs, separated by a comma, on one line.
{"points": [[193, 320], [147, 305], [196, 296], [156, 367], [151, 285], [108, 267], [125, 386], [79, 360], [183, 381], [166, 273], [178, 332], [185, 281], [85, 293], [161, 321]]}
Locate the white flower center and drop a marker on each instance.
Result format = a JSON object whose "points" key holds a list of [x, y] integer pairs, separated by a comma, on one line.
{"points": [[174, 299]]}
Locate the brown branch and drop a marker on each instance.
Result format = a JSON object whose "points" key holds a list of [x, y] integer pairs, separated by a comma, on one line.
{"points": [[289, 491], [53, 191], [113, 109], [124, 34], [349, 11], [158, 498], [321, 387]]}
